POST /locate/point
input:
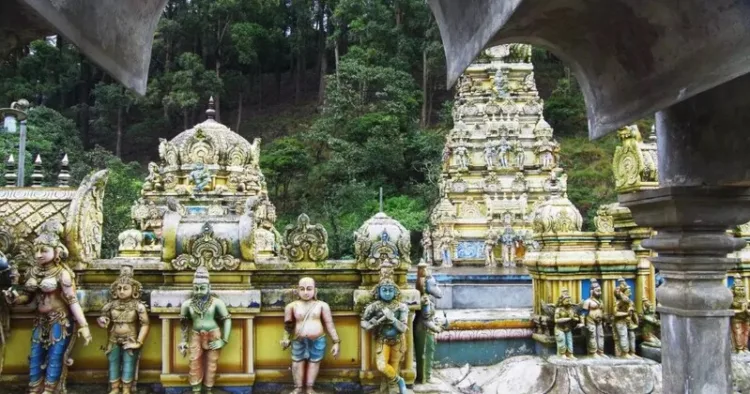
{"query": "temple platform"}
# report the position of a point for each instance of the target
(482, 287)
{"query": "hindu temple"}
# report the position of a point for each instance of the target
(510, 294)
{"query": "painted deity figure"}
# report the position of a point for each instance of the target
(446, 158)
(200, 176)
(51, 283)
(593, 319)
(426, 324)
(388, 318)
(427, 245)
(462, 157)
(153, 180)
(651, 326)
(489, 247)
(489, 155)
(566, 319)
(740, 321)
(520, 154)
(304, 322)
(625, 321)
(126, 318)
(446, 240)
(508, 241)
(206, 325)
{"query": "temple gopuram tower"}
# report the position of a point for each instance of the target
(496, 161)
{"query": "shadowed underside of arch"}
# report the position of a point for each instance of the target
(631, 57)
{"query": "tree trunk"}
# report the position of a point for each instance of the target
(217, 97)
(425, 80)
(322, 58)
(336, 59)
(239, 113)
(83, 99)
(429, 108)
(260, 87)
(118, 146)
(298, 80)
(185, 118)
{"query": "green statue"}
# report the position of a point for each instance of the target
(425, 323)
(650, 325)
(388, 318)
(201, 315)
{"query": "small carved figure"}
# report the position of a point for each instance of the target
(201, 316)
(303, 330)
(508, 241)
(446, 242)
(566, 319)
(51, 283)
(593, 319)
(462, 156)
(388, 317)
(153, 180)
(447, 151)
(489, 247)
(625, 321)
(489, 155)
(503, 151)
(426, 324)
(740, 321)
(651, 326)
(427, 245)
(122, 316)
(520, 154)
(201, 177)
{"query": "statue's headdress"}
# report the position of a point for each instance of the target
(594, 284)
(201, 276)
(49, 235)
(126, 277)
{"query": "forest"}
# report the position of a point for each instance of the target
(348, 96)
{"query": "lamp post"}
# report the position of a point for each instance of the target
(17, 112)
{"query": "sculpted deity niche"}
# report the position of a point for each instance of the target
(388, 318)
(740, 321)
(266, 240)
(508, 242)
(200, 177)
(462, 157)
(445, 246)
(304, 322)
(126, 319)
(427, 245)
(489, 154)
(489, 247)
(206, 325)
(59, 316)
(426, 324)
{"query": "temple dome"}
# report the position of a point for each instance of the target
(557, 214)
(380, 222)
(210, 143)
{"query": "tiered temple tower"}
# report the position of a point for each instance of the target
(496, 163)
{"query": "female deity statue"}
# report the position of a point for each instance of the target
(50, 282)
(741, 319)
(126, 318)
(425, 323)
(388, 317)
(446, 240)
(566, 319)
(489, 247)
(304, 320)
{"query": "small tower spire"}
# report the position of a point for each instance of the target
(64, 177)
(37, 176)
(211, 111)
(10, 172)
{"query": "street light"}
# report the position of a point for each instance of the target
(17, 113)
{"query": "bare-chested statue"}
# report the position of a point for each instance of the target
(303, 325)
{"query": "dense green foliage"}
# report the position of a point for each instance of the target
(347, 95)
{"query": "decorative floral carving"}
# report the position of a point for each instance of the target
(305, 242)
(206, 250)
(634, 162)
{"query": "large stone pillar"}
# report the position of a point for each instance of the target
(704, 162)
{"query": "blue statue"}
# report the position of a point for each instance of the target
(201, 177)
